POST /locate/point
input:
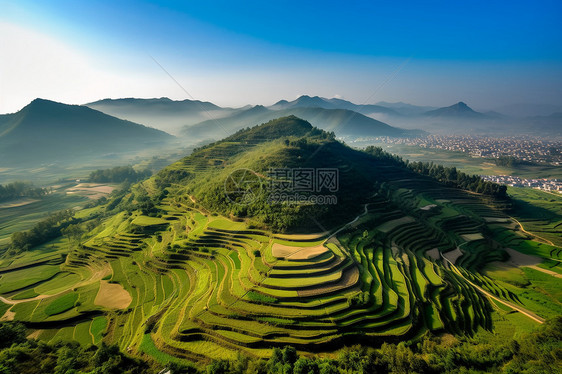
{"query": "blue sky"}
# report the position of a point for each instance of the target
(488, 54)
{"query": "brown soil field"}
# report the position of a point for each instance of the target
(112, 296)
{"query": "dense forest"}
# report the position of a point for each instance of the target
(118, 174)
(20, 189)
(536, 352)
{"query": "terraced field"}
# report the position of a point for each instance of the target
(199, 286)
(182, 282)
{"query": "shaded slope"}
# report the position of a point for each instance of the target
(49, 131)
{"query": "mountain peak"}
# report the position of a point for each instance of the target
(40, 101)
(307, 98)
(459, 109)
(45, 107)
(48, 130)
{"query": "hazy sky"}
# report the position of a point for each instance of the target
(486, 53)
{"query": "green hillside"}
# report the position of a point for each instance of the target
(178, 268)
(47, 131)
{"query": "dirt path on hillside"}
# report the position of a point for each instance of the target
(546, 271)
(533, 235)
(518, 259)
(365, 211)
(453, 255)
(521, 310)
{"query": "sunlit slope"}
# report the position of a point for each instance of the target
(171, 271)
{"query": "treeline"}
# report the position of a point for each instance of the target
(452, 177)
(118, 174)
(43, 231)
(20, 189)
(449, 176)
(536, 352)
(509, 161)
(23, 356)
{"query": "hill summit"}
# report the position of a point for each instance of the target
(460, 110)
(287, 143)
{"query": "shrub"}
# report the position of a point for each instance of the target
(261, 298)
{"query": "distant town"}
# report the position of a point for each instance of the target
(519, 148)
(540, 184)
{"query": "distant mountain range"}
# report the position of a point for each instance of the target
(199, 120)
(344, 122)
(405, 108)
(47, 131)
(163, 113)
(320, 102)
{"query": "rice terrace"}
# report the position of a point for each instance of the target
(296, 187)
(163, 275)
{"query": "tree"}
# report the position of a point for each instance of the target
(11, 333)
(305, 366)
(290, 355)
(73, 233)
(219, 367)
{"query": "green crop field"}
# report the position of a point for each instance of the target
(61, 304)
(165, 276)
(226, 296)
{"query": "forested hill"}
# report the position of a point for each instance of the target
(290, 142)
